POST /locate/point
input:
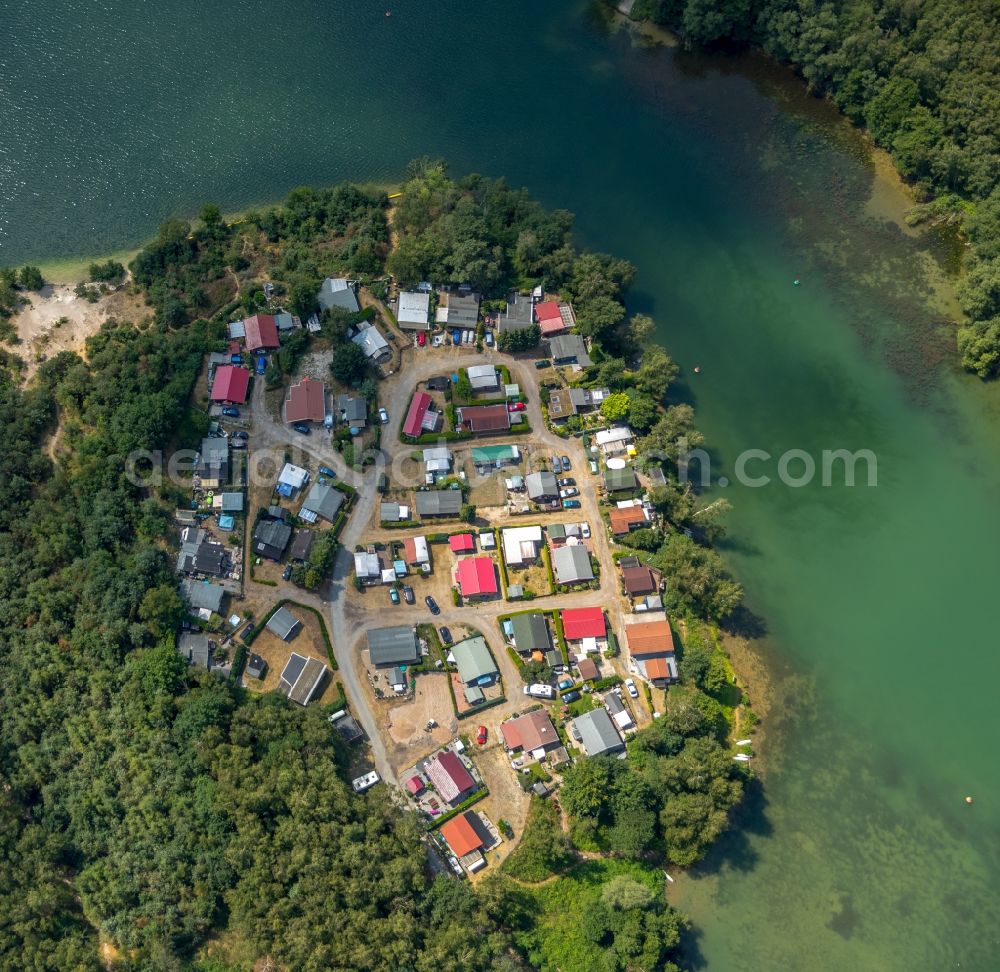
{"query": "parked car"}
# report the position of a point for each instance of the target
(245, 633)
(567, 482)
(540, 690)
(488, 338)
(240, 435)
(516, 406)
(446, 637)
(573, 696)
(328, 472)
(556, 464)
(301, 428)
(286, 573)
(261, 365)
(566, 465)
(544, 363)
(567, 493)
(433, 607)
(481, 735)
(394, 595)
(632, 690)
(571, 504)
(593, 466)
(564, 684)
(421, 338)
(585, 531)
(383, 416)
(239, 444)
(230, 412)
(408, 594)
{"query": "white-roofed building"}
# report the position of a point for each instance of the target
(483, 377)
(294, 476)
(437, 460)
(614, 442)
(413, 311)
(367, 567)
(521, 544)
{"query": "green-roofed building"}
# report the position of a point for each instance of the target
(475, 663)
(618, 480)
(557, 531)
(497, 455)
(530, 633)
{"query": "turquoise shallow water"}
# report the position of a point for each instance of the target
(722, 182)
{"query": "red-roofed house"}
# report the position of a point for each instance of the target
(462, 543)
(463, 839)
(530, 732)
(477, 577)
(419, 404)
(485, 419)
(415, 785)
(580, 623)
(230, 384)
(554, 318)
(452, 781)
(261, 332)
(306, 401)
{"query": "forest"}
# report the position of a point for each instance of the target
(924, 79)
(162, 819)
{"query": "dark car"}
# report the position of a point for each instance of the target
(432, 605)
(245, 633)
(328, 472)
(446, 637)
(231, 412)
(301, 427)
(408, 594)
(573, 696)
(240, 435)
(261, 365)
(286, 573)
(544, 363)
(571, 504)
(566, 467)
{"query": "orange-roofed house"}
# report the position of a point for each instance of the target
(261, 332)
(464, 840)
(651, 645)
(306, 401)
(230, 385)
(625, 519)
(477, 577)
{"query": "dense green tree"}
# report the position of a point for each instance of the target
(349, 364)
(30, 278)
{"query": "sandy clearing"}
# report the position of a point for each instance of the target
(57, 320)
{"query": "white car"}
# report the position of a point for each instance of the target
(540, 690)
(365, 782)
(383, 416)
(567, 493)
(585, 531)
(632, 690)
(437, 341)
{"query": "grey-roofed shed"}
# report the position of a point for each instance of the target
(203, 595)
(541, 485)
(571, 565)
(195, 648)
(530, 633)
(439, 502)
(338, 292)
(283, 623)
(393, 646)
(324, 501)
(598, 734)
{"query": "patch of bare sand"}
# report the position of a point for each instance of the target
(57, 320)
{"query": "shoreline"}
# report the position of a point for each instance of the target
(70, 270)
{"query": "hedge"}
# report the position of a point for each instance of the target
(461, 808)
(606, 683)
(479, 708)
(517, 660)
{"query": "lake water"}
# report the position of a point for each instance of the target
(722, 182)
